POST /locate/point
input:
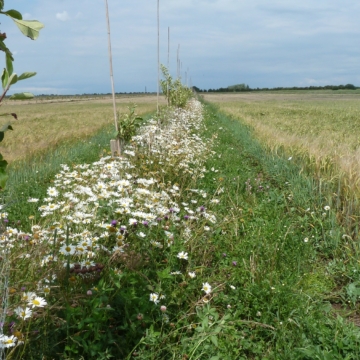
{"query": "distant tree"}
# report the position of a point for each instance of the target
(350, 87)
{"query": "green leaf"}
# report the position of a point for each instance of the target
(26, 75)
(22, 96)
(13, 14)
(13, 79)
(164, 274)
(4, 48)
(3, 178)
(9, 64)
(4, 78)
(214, 340)
(5, 127)
(2, 135)
(29, 28)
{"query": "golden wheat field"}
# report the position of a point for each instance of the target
(319, 130)
(46, 122)
(322, 128)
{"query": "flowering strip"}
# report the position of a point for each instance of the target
(119, 213)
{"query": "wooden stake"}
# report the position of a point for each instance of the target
(168, 64)
(115, 146)
(158, 55)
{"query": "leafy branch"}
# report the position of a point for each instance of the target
(31, 29)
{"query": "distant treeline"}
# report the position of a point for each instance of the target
(103, 94)
(244, 87)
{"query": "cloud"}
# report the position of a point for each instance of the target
(64, 16)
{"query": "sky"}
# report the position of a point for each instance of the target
(262, 43)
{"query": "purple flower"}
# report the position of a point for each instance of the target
(234, 263)
(186, 217)
(113, 223)
(224, 255)
(145, 223)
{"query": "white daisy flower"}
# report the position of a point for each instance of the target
(207, 288)
(37, 302)
(182, 255)
(23, 313)
(154, 298)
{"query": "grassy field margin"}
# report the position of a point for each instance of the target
(273, 265)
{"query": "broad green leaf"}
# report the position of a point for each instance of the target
(4, 48)
(9, 64)
(164, 274)
(26, 75)
(4, 78)
(13, 14)
(13, 78)
(29, 28)
(6, 126)
(22, 96)
(3, 178)
(214, 340)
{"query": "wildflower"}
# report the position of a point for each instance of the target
(163, 308)
(234, 263)
(33, 200)
(46, 290)
(67, 249)
(207, 288)
(206, 228)
(192, 274)
(51, 191)
(23, 313)
(233, 287)
(327, 208)
(306, 239)
(182, 255)
(175, 273)
(28, 296)
(154, 298)
(7, 341)
(37, 302)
